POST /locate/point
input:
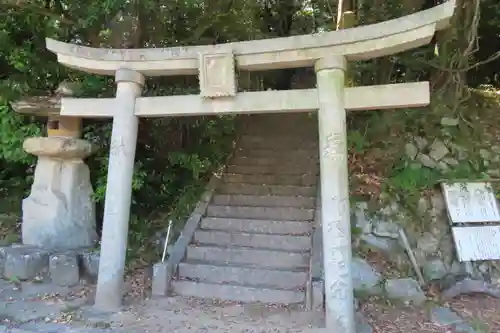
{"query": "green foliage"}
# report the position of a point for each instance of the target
(13, 130)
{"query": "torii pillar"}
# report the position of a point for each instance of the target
(118, 191)
(336, 223)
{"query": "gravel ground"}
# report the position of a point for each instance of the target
(37, 308)
(187, 315)
(480, 312)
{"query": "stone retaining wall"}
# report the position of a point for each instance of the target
(431, 242)
(63, 268)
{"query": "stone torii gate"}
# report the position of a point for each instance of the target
(328, 52)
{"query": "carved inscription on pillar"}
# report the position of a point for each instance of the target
(335, 146)
(336, 225)
(217, 75)
(339, 288)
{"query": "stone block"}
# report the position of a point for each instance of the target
(447, 121)
(317, 254)
(387, 246)
(25, 263)
(64, 270)
(362, 325)
(3, 250)
(405, 290)
(160, 279)
(411, 150)
(426, 161)
(318, 295)
(434, 269)
(90, 264)
(438, 150)
(445, 316)
(364, 277)
(387, 229)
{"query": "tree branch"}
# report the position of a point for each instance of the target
(20, 5)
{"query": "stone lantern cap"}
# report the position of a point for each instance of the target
(42, 106)
(47, 106)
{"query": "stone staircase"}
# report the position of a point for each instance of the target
(254, 242)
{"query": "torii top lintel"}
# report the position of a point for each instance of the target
(360, 43)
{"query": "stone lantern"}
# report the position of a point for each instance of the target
(59, 213)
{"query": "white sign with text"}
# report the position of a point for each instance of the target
(471, 202)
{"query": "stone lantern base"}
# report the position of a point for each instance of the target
(60, 212)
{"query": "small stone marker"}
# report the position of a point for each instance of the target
(160, 279)
(473, 203)
(64, 270)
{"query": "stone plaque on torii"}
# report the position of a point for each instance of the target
(328, 52)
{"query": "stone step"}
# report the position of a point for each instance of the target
(243, 275)
(277, 160)
(281, 142)
(274, 169)
(257, 226)
(281, 153)
(272, 179)
(248, 256)
(251, 189)
(277, 145)
(261, 213)
(253, 240)
(302, 126)
(289, 119)
(283, 117)
(278, 131)
(237, 293)
(263, 201)
(279, 124)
